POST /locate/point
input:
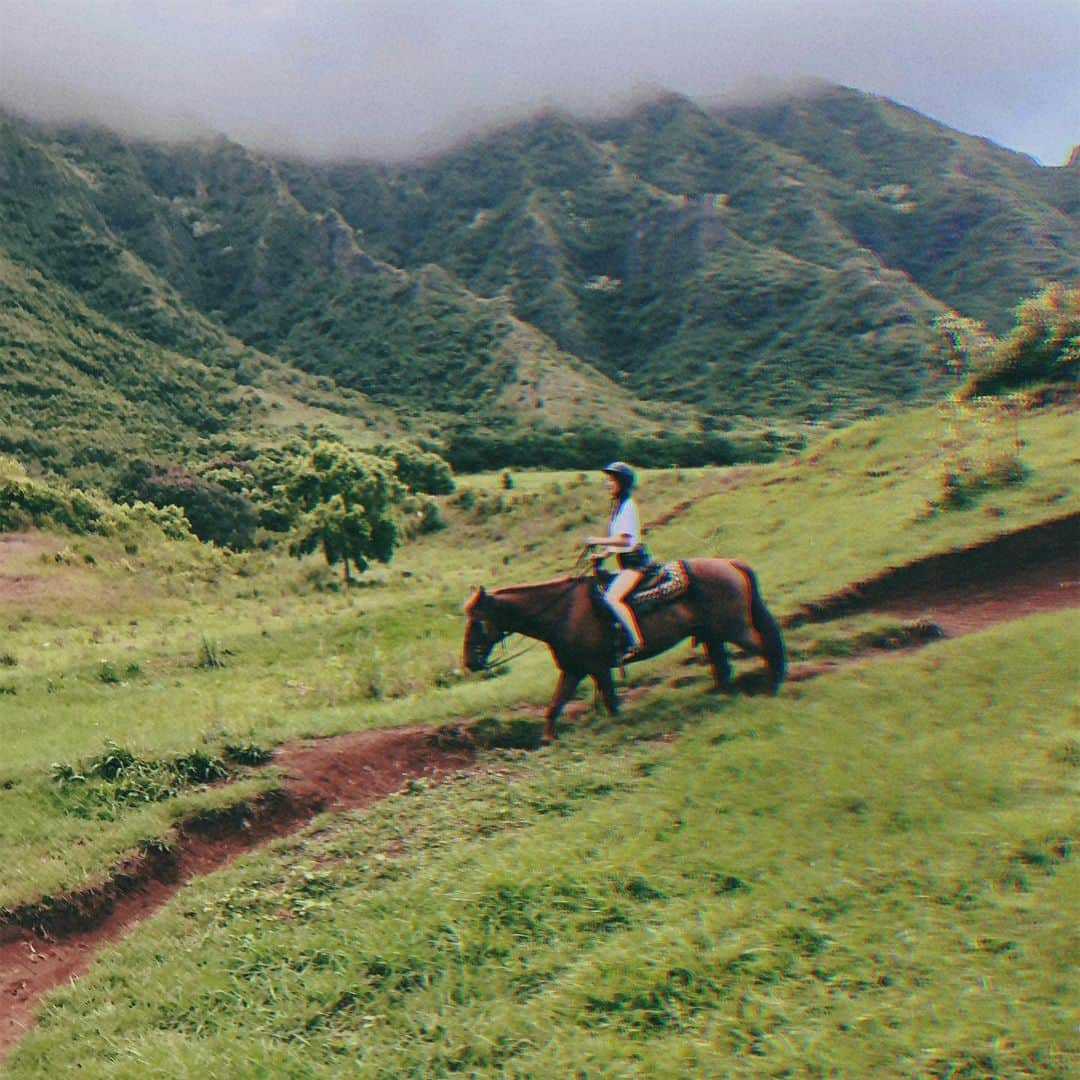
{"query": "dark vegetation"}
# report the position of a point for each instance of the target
(470, 450)
(223, 517)
(1043, 347)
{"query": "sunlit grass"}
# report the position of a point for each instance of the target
(868, 875)
(298, 656)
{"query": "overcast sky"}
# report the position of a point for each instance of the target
(399, 78)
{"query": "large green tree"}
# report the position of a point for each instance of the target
(346, 501)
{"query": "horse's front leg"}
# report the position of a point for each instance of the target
(606, 685)
(564, 691)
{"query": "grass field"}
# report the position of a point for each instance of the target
(870, 875)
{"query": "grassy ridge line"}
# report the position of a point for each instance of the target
(861, 501)
(831, 881)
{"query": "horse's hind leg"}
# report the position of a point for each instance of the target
(717, 653)
(564, 691)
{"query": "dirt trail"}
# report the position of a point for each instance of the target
(45, 945)
(1034, 569)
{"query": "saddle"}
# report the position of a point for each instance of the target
(660, 584)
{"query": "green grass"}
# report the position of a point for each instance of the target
(832, 882)
(297, 656)
(861, 501)
(868, 875)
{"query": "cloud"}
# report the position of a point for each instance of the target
(397, 78)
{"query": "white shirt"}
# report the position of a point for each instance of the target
(625, 520)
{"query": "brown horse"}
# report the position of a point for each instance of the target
(722, 604)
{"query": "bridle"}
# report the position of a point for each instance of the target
(495, 635)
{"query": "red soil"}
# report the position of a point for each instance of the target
(46, 945)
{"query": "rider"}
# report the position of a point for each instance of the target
(623, 540)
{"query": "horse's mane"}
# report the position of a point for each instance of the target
(533, 586)
(508, 591)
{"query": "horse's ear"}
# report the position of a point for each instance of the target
(477, 597)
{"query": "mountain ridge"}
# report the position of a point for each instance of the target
(675, 265)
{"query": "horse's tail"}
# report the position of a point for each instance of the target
(772, 640)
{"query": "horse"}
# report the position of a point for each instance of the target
(722, 604)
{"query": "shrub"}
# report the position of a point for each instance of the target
(424, 517)
(1043, 346)
(420, 470)
(217, 515)
(26, 503)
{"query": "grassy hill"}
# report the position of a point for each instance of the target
(206, 251)
(975, 225)
(831, 878)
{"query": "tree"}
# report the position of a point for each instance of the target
(347, 507)
(223, 517)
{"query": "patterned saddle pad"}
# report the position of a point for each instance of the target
(665, 583)
(662, 583)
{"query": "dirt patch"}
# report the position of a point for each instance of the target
(17, 551)
(45, 945)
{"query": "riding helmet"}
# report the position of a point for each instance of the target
(622, 471)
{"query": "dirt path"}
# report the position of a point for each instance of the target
(46, 945)
(1017, 574)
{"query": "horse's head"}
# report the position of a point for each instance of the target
(482, 631)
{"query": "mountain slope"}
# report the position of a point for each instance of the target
(977, 226)
(781, 263)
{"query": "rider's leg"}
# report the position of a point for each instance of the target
(621, 586)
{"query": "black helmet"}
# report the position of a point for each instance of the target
(622, 472)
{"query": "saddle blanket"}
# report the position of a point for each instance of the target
(666, 583)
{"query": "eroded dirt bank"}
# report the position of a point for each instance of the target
(45, 945)
(1035, 569)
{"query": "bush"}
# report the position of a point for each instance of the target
(1044, 345)
(217, 515)
(420, 471)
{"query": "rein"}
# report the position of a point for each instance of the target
(504, 634)
(494, 665)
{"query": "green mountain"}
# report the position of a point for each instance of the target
(678, 264)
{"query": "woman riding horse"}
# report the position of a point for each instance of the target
(623, 540)
(722, 604)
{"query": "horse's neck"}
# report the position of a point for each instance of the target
(534, 610)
